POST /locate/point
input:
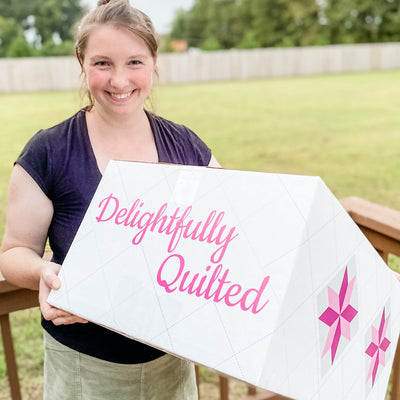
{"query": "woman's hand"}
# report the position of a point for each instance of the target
(49, 280)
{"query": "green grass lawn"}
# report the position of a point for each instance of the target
(344, 128)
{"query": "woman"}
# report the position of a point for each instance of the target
(51, 186)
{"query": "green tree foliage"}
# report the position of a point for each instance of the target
(65, 48)
(19, 47)
(197, 20)
(52, 21)
(267, 21)
(301, 22)
(48, 19)
(18, 10)
(262, 23)
(249, 41)
(9, 29)
(211, 44)
(362, 21)
(180, 25)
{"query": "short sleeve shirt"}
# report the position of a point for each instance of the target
(61, 161)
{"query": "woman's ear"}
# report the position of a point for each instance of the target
(80, 59)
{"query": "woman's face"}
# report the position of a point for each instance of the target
(119, 69)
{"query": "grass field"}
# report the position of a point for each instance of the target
(344, 128)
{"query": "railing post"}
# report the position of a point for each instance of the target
(197, 372)
(10, 357)
(223, 388)
(251, 390)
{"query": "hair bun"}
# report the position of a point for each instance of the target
(104, 2)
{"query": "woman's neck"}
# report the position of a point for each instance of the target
(129, 139)
(118, 126)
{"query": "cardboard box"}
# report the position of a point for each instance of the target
(262, 277)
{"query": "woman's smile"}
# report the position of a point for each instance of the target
(121, 96)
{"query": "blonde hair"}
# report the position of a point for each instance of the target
(120, 14)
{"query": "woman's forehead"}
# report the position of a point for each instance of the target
(108, 38)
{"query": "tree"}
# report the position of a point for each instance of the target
(18, 10)
(57, 17)
(211, 44)
(71, 11)
(389, 27)
(374, 16)
(65, 48)
(301, 22)
(268, 26)
(222, 21)
(180, 25)
(197, 21)
(19, 47)
(50, 19)
(231, 28)
(249, 41)
(246, 23)
(9, 29)
(362, 21)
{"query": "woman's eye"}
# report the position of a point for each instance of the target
(101, 63)
(135, 62)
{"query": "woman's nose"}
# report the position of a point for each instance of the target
(119, 78)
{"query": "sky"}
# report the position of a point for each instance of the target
(161, 12)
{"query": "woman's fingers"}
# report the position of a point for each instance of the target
(49, 280)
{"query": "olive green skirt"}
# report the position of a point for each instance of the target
(70, 375)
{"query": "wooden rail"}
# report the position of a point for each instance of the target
(380, 225)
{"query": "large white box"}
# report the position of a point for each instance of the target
(262, 277)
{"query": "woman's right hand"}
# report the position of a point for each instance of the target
(49, 280)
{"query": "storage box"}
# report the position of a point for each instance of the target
(262, 277)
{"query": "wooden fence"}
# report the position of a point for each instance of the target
(379, 224)
(62, 73)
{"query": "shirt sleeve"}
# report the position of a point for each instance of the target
(178, 144)
(36, 161)
(201, 152)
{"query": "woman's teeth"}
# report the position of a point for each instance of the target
(121, 96)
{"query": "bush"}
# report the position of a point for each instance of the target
(211, 44)
(249, 41)
(50, 48)
(19, 47)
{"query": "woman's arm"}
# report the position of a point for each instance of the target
(29, 214)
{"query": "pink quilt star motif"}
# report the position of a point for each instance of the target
(338, 315)
(377, 348)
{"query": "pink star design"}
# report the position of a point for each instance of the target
(377, 348)
(338, 315)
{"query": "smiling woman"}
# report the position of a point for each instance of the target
(119, 78)
(51, 186)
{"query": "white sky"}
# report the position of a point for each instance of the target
(161, 12)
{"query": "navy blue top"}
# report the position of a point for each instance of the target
(61, 161)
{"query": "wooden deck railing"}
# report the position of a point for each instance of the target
(379, 224)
